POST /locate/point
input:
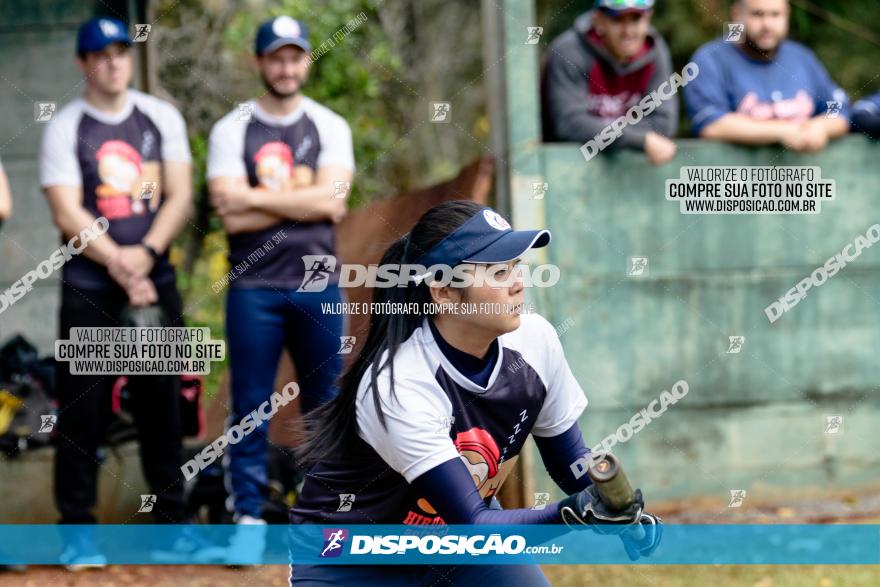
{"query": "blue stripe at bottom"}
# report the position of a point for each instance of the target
(225, 544)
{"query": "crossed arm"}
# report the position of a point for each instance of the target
(809, 136)
(243, 208)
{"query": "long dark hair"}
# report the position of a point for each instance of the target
(331, 427)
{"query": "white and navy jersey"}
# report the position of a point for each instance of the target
(437, 414)
(280, 154)
(116, 158)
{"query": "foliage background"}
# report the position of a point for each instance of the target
(382, 77)
(845, 35)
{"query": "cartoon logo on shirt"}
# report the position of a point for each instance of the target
(610, 106)
(276, 170)
(481, 455)
(122, 172)
(797, 109)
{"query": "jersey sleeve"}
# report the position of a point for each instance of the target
(450, 489)
(169, 121)
(415, 440)
(827, 92)
(705, 96)
(565, 400)
(336, 144)
(58, 162)
(866, 115)
(175, 142)
(226, 149)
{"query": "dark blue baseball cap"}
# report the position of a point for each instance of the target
(485, 238)
(97, 33)
(280, 31)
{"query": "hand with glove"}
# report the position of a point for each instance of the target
(640, 532)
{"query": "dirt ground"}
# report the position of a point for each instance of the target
(559, 576)
(845, 508)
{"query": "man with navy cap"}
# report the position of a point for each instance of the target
(279, 171)
(98, 153)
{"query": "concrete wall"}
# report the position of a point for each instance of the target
(37, 43)
(753, 420)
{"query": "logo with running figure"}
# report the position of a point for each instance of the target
(346, 500)
(141, 33)
(47, 423)
(735, 344)
(534, 34)
(346, 345)
(734, 32)
(319, 268)
(333, 541)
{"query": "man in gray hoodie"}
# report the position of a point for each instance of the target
(601, 67)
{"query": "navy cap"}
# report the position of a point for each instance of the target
(281, 31)
(485, 238)
(97, 33)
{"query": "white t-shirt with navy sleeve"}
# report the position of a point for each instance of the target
(437, 414)
(116, 158)
(280, 153)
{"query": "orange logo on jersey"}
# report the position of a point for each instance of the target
(276, 170)
(122, 173)
(480, 454)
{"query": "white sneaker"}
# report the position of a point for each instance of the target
(75, 560)
(247, 545)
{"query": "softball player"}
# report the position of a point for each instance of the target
(433, 414)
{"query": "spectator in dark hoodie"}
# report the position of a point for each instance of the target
(601, 67)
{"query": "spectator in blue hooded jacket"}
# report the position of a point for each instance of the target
(755, 87)
(866, 116)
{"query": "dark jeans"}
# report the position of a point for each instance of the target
(260, 322)
(418, 576)
(85, 410)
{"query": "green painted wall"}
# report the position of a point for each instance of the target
(753, 420)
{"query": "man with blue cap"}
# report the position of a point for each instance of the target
(98, 154)
(279, 171)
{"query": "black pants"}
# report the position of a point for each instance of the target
(85, 410)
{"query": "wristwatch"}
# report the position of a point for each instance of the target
(153, 252)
